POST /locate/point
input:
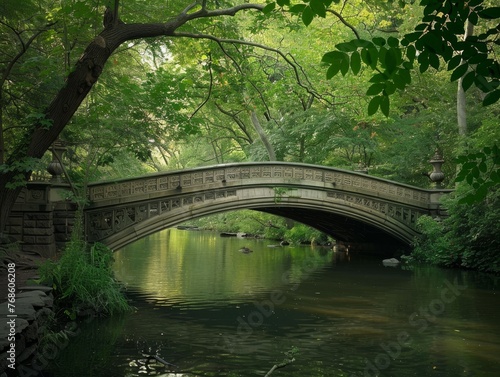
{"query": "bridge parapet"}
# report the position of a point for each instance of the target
(273, 174)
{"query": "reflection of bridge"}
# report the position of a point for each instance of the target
(351, 207)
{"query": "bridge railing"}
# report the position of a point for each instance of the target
(259, 173)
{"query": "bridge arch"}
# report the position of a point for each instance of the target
(347, 205)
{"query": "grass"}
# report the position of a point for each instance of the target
(83, 281)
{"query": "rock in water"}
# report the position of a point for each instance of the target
(390, 262)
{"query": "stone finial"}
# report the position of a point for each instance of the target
(55, 167)
(436, 176)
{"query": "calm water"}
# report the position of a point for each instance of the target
(212, 310)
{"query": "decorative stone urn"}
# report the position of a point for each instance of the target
(55, 168)
(437, 176)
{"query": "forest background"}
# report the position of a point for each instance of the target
(358, 85)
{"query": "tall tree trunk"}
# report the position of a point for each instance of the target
(461, 100)
(262, 134)
(78, 84)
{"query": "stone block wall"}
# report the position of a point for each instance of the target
(40, 225)
(63, 222)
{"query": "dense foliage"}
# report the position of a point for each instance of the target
(468, 238)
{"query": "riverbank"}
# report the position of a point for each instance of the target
(28, 309)
(26, 267)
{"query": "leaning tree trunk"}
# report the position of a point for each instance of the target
(80, 81)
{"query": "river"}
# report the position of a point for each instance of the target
(209, 309)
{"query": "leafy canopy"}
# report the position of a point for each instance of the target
(436, 40)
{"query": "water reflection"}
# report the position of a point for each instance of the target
(214, 311)
(200, 268)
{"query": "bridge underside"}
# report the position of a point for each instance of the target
(363, 224)
(358, 234)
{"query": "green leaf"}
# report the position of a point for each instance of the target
(363, 43)
(473, 3)
(379, 77)
(355, 62)
(299, 8)
(473, 18)
(282, 3)
(468, 80)
(375, 89)
(393, 42)
(333, 69)
(346, 47)
(490, 13)
(411, 53)
(495, 176)
(307, 16)
(390, 88)
(434, 61)
(373, 54)
(373, 105)
(269, 8)
(379, 41)
(461, 176)
(469, 179)
(477, 58)
(491, 97)
(333, 56)
(384, 105)
(459, 71)
(344, 65)
(318, 7)
(433, 41)
(475, 171)
(405, 76)
(410, 37)
(389, 60)
(483, 84)
(423, 60)
(454, 62)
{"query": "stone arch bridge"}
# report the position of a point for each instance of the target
(352, 207)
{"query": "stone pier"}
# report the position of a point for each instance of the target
(41, 220)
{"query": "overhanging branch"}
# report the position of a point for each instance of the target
(289, 59)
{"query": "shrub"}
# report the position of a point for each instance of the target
(301, 233)
(469, 237)
(433, 245)
(83, 280)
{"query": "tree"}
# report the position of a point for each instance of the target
(434, 40)
(443, 35)
(45, 130)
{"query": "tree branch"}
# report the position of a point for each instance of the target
(209, 88)
(25, 46)
(343, 20)
(287, 57)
